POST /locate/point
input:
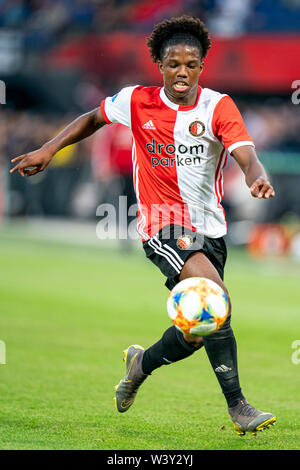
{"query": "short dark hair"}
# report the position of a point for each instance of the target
(181, 30)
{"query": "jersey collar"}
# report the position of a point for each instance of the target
(178, 107)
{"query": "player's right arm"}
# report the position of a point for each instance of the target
(85, 125)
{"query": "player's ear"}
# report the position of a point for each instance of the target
(160, 66)
(201, 66)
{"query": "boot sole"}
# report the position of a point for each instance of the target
(261, 427)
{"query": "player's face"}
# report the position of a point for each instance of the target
(181, 67)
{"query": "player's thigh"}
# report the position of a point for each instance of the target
(198, 265)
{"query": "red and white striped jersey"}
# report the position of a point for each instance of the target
(178, 155)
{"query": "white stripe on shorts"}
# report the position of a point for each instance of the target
(154, 243)
(175, 255)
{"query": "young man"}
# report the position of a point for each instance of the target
(182, 135)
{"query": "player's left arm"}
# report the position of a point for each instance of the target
(228, 126)
(255, 173)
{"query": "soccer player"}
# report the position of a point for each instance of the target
(182, 136)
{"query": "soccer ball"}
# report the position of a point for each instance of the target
(197, 306)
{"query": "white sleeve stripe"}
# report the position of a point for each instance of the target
(240, 144)
(110, 118)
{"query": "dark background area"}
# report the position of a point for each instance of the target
(61, 58)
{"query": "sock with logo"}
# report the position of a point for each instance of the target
(222, 353)
(172, 347)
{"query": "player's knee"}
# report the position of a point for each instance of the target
(222, 285)
(228, 298)
(196, 341)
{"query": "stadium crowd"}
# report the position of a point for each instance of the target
(45, 25)
(45, 22)
(274, 127)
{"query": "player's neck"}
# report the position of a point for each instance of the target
(188, 100)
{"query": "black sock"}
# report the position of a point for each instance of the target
(172, 347)
(222, 353)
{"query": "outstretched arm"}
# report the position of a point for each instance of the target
(255, 174)
(85, 125)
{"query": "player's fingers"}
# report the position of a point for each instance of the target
(269, 193)
(20, 168)
(17, 159)
(256, 186)
(22, 164)
(264, 189)
(31, 172)
(14, 169)
(254, 190)
(21, 171)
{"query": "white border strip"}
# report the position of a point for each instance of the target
(232, 147)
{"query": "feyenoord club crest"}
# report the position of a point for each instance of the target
(185, 242)
(196, 128)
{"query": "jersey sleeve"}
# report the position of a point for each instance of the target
(228, 125)
(117, 108)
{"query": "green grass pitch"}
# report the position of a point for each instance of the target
(68, 312)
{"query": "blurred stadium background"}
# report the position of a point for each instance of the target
(60, 58)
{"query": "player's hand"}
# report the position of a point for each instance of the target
(31, 163)
(262, 189)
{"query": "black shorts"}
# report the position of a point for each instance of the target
(170, 248)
